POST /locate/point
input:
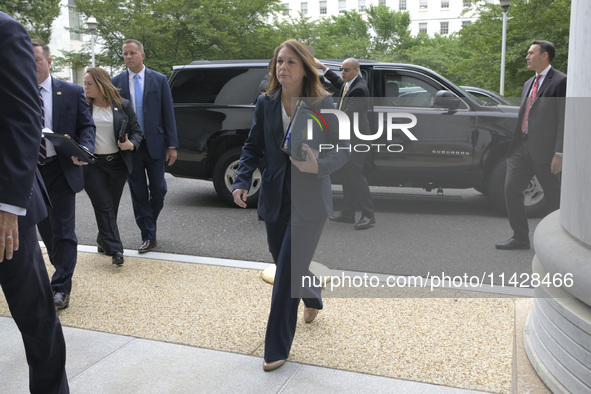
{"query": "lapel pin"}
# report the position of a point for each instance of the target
(59, 93)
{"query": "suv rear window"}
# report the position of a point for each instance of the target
(224, 86)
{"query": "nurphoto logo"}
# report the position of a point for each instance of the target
(393, 123)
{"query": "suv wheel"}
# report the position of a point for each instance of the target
(534, 194)
(224, 174)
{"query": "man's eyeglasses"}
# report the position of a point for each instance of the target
(346, 69)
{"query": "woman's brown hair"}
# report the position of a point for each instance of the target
(312, 87)
(102, 79)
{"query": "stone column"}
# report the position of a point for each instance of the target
(557, 335)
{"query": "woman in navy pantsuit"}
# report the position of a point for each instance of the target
(295, 196)
(118, 135)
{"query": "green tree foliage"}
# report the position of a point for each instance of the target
(344, 36)
(337, 37)
(349, 35)
(391, 31)
(302, 28)
(438, 53)
(35, 15)
(179, 31)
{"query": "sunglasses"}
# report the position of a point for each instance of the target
(346, 69)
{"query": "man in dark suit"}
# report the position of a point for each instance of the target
(65, 111)
(155, 115)
(23, 275)
(536, 148)
(354, 98)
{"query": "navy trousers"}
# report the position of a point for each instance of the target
(520, 170)
(104, 182)
(58, 230)
(148, 188)
(27, 290)
(292, 243)
(356, 193)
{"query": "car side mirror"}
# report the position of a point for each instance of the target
(446, 99)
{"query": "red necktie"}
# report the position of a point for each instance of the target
(530, 101)
(42, 148)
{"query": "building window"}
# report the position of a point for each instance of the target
(285, 8)
(74, 20)
(382, 2)
(444, 28)
(304, 8)
(402, 4)
(423, 4)
(361, 5)
(466, 23)
(422, 28)
(467, 4)
(342, 6)
(445, 4)
(323, 9)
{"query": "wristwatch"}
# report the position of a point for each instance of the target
(559, 154)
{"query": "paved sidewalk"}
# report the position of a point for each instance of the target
(108, 363)
(117, 351)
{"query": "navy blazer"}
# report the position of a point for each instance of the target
(71, 115)
(546, 117)
(20, 124)
(282, 183)
(132, 129)
(159, 121)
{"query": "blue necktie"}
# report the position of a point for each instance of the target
(139, 101)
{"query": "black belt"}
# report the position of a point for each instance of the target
(48, 160)
(109, 157)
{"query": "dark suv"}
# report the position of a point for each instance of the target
(460, 142)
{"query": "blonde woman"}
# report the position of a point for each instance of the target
(118, 135)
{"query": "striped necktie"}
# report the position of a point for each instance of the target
(42, 147)
(530, 101)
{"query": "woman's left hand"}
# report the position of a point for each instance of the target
(310, 165)
(125, 145)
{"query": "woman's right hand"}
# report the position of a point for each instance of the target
(240, 197)
(126, 144)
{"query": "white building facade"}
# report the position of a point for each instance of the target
(64, 40)
(427, 16)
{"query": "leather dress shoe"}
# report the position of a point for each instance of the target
(365, 222)
(148, 245)
(269, 366)
(118, 259)
(310, 314)
(61, 300)
(102, 250)
(340, 218)
(513, 244)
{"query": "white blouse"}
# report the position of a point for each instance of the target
(286, 119)
(105, 143)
